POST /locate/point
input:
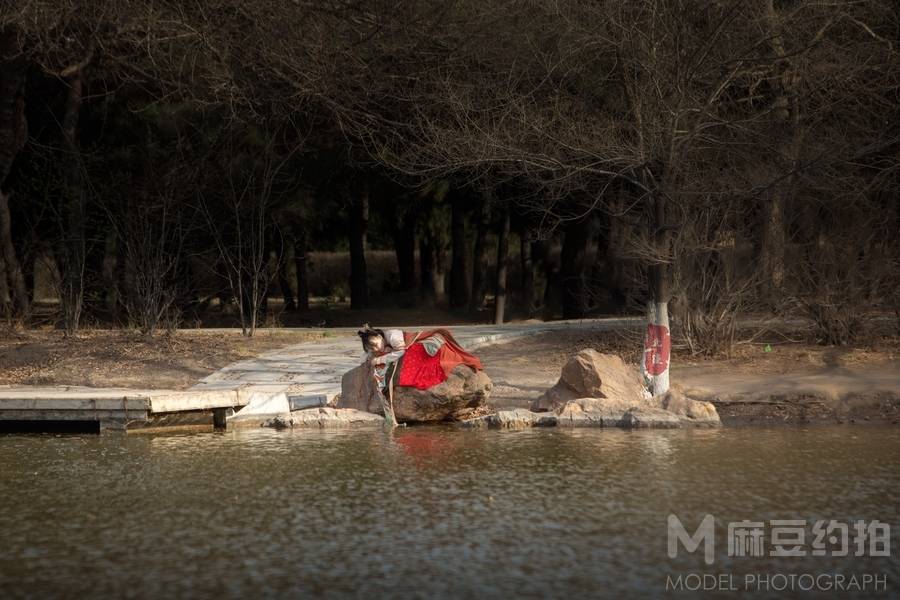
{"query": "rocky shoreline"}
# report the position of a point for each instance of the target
(774, 414)
(593, 390)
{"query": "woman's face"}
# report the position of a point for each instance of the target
(376, 343)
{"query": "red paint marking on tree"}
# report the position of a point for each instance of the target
(658, 345)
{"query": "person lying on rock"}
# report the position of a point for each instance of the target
(414, 359)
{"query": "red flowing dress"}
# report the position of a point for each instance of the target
(421, 371)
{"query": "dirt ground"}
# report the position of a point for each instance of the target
(768, 383)
(126, 359)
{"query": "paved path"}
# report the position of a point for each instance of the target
(313, 369)
(274, 382)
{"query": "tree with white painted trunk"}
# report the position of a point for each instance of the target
(657, 337)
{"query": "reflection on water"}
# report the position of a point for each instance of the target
(418, 512)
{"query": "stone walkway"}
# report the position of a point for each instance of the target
(311, 371)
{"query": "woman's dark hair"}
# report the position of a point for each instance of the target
(367, 333)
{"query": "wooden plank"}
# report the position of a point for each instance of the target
(81, 393)
(49, 403)
(201, 419)
(72, 415)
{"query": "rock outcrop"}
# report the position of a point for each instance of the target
(462, 396)
(358, 391)
(606, 412)
(591, 374)
(600, 390)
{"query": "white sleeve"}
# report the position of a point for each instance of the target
(394, 339)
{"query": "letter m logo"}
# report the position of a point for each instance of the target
(705, 533)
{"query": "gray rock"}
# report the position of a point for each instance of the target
(358, 391)
(519, 418)
(591, 374)
(594, 412)
(646, 417)
(324, 418)
(278, 422)
(690, 411)
(462, 396)
(610, 412)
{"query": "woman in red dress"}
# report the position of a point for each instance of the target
(425, 358)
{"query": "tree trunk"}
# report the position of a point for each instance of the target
(657, 340)
(124, 275)
(284, 279)
(110, 289)
(773, 247)
(302, 264)
(405, 248)
(359, 223)
(479, 278)
(616, 240)
(543, 253)
(600, 277)
(439, 271)
(13, 134)
(527, 273)
(426, 269)
(572, 261)
(432, 251)
(459, 276)
(72, 246)
(786, 130)
(5, 299)
(502, 264)
(14, 275)
(13, 126)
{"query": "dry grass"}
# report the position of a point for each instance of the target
(127, 359)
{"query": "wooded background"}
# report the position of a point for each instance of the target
(162, 160)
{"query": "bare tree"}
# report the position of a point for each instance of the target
(242, 226)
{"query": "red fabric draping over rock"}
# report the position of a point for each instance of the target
(421, 371)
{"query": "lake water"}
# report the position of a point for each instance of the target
(427, 512)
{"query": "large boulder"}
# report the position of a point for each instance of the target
(591, 374)
(462, 396)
